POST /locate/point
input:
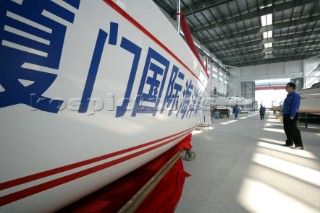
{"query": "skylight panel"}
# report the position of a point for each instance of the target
(263, 20)
(266, 19)
(267, 45)
(267, 34)
(269, 19)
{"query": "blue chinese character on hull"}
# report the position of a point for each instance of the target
(187, 98)
(135, 50)
(171, 99)
(32, 37)
(151, 84)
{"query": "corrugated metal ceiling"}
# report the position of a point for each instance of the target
(233, 31)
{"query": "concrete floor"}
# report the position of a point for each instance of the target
(240, 167)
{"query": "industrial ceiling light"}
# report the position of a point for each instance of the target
(263, 6)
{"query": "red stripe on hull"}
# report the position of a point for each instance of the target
(26, 179)
(59, 181)
(270, 88)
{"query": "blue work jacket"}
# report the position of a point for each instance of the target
(291, 104)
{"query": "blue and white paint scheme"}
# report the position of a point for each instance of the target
(89, 91)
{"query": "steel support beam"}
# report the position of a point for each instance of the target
(235, 61)
(260, 30)
(255, 14)
(243, 47)
(271, 60)
(199, 7)
(275, 52)
(164, 6)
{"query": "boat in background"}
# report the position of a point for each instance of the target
(246, 101)
(310, 101)
(230, 101)
(89, 91)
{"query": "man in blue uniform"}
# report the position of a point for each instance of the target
(290, 116)
(262, 112)
(236, 111)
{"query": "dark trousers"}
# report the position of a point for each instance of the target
(262, 116)
(292, 131)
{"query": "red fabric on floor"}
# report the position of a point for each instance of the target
(163, 198)
(166, 195)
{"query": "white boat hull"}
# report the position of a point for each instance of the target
(310, 101)
(107, 110)
(230, 101)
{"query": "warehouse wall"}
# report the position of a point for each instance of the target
(311, 72)
(292, 69)
(219, 81)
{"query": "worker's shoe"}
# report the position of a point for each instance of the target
(288, 145)
(297, 147)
